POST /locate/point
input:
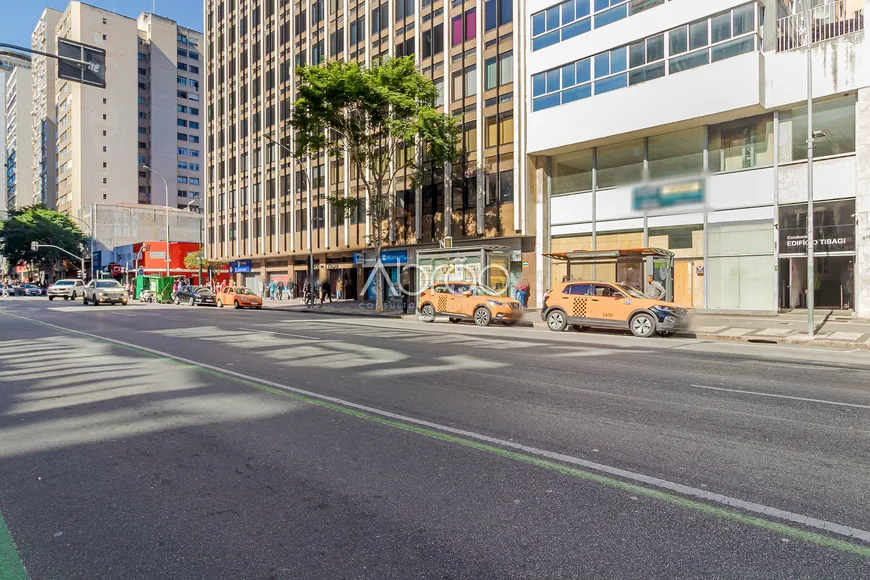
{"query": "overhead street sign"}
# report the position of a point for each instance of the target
(91, 68)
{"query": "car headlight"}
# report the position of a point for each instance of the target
(496, 303)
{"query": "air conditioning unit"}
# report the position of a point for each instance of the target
(448, 241)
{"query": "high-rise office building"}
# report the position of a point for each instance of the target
(106, 137)
(705, 103)
(44, 121)
(17, 119)
(8, 63)
(257, 205)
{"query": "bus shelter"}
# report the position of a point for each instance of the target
(626, 266)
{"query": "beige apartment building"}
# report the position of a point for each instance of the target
(44, 119)
(257, 210)
(19, 180)
(144, 116)
(8, 63)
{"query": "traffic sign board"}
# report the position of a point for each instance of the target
(91, 71)
(140, 271)
(34, 246)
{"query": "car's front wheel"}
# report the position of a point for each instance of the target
(192, 301)
(427, 313)
(50, 298)
(482, 317)
(643, 325)
(557, 320)
(236, 305)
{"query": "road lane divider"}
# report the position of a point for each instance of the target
(777, 396)
(11, 566)
(700, 500)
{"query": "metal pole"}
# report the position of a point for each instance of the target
(201, 227)
(166, 189)
(811, 270)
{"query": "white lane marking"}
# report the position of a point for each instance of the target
(679, 488)
(282, 333)
(742, 392)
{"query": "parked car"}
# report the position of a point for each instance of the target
(239, 297)
(70, 288)
(462, 301)
(195, 296)
(104, 292)
(28, 290)
(606, 305)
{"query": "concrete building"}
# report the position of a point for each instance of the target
(44, 120)
(7, 65)
(18, 152)
(256, 202)
(713, 94)
(106, 136)
(170, 117)
(129, 223)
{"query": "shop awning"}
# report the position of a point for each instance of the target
(593, 255)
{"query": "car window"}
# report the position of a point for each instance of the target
(91, 284)
(605, 291)
(244, 291)
(441, 289)
(460, 288)
(108, 284)
(63, 283)
(579, 289)
(631, 291)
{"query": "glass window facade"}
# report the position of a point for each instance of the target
(676, 154)
(688, 46)
(835, 118)
(571, 172)
(619, 164)
(741, 144)
(575, 17)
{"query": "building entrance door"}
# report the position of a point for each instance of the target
(834, 282)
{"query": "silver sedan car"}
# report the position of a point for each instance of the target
(104, 292)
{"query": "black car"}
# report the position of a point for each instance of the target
(195, 296)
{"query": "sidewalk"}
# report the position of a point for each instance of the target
(833, 329)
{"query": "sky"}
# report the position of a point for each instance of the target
(18, 18)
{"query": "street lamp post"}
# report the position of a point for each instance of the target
(308, 201)
(166, 188)
(811, 267)
(91, 232)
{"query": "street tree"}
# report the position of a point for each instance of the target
(383, 121)
(37, 223)
(194, 260)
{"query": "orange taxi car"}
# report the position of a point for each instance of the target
(239, 297)
(605, 305)
(462, 301)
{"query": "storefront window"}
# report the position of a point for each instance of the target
(736, 238)
(620, 164)
(682, 240)
(833, 227)
(572, 172)
(834, 118)
(740, 282)
(741, 144)
(676, 154)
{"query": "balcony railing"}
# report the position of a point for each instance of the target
(827, 21)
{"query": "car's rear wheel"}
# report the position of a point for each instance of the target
(236, 304)
(427, 313)
(643, 325)
(557, 320)
(482, 317)
(175, 300)
(220, 304)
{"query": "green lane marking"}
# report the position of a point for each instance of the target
(717, 511)
(11, 566)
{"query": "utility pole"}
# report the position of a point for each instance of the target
(166, 189)
(811, 266)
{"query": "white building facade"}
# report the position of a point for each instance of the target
(711, 94)
(18, 153)
(44, 119)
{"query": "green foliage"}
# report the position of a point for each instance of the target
(367, 116)
(194, 260)
(37, 223)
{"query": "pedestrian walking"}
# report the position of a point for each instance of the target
(6, 289)
(325, 291)
(273, 288)
(280, 289)
(406, 291)
(339, 288)
(522, 290)
(654, 289)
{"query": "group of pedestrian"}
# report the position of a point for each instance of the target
(275, 290)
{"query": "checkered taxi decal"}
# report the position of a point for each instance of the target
(579, 308)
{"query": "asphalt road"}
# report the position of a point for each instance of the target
(177, 442)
